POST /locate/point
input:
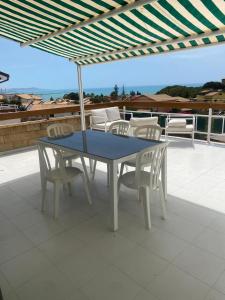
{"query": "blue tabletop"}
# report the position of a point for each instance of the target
(101, 144)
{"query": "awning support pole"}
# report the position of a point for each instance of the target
(81, 98)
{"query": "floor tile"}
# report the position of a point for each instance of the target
(61, 246)
(13, 246)
(218, 223)
(82, 265)
(112, 246)
(4, 284)
(211, 241)
(215, 295)
(141, 265)
(111, 284)
(177, 285)
(220, 284)
(178, 226)
(201, 264)
(42, 232)
(50, 285)
(145, 295)
(164, 244)
(23, 267)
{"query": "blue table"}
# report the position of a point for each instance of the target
(106, 147)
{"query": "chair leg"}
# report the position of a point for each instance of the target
(56, 199)
(146, 204)
(93, 170)
(70, 188)
(70, 164)
(193, 138)
(162, 201)
(108, 175)
(121, 169)
(44, 187)
(87, 189)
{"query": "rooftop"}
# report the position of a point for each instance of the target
(77, 257)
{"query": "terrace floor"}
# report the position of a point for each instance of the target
(78, 258)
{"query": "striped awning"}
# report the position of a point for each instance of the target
(89, 32)
(3, 77)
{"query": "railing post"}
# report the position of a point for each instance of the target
(124, 112)
(81, 98)
(209, 124)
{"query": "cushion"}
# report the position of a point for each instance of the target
(177, 123)
(102, 126)
(113, 113)
(99, 116)
(187, 128)
(135, 122)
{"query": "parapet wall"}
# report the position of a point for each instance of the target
(25, 134)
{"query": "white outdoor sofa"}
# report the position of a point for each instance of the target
(180, 126)
(102, 118)
(138, 122)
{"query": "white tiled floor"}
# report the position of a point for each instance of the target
(78, 258)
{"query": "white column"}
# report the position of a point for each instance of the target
(81, 98)
(209, 125)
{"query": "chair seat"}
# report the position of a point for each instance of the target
(103, 126)
(187, 128)
(128, 179)
(70, 172)
(68, 155)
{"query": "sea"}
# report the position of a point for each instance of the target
(46, 94)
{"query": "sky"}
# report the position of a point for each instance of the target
(29, 67)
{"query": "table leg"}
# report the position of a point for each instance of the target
(91, 165)
(85, 170)
(164, 175)
(113, 190)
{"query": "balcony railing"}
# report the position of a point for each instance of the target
(208, 125)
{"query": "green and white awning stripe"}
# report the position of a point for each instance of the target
(155, 27)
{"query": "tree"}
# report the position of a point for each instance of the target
(98, 98)
(51, 99)
(132, 93)
(123, 94)
(114, 94)
(215, 85)
(180, 91)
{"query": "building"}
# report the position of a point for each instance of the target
(158, 98)
(212, 96)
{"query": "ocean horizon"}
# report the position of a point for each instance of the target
(46, 94)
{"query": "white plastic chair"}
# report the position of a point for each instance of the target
(150, 132)
(58, 175)
(145, 182)
(62, 129)
(117, 127)
(179, 126)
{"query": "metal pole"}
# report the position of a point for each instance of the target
(81, 98)
(209, 124)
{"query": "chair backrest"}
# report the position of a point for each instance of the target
(150, 132)
(154, 157)
(47, 164)
(98, 116)
(136, 122)
(113, 113)
(59, 129)
(119, 127)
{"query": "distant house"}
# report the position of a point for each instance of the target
(2, 98)
(212, 96)
(158, 98)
